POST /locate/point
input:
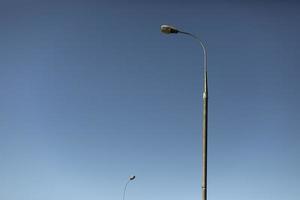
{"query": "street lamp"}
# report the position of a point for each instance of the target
(171, 30)
(131, 178)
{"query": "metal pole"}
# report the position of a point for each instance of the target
(130, 179)
(204, 118)
(204, 139)
(204, 126)
(124, 192)
(168, 30)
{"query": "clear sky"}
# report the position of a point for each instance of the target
(92, 92)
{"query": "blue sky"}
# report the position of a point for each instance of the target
(92, 92)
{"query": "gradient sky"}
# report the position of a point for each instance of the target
(92, 92)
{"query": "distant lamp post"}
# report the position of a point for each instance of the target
(131, 178)
(169, 30)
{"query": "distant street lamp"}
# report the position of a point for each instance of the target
(171, 30)
(131, 178)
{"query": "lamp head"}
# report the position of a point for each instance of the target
(131, 178)
(168, 29)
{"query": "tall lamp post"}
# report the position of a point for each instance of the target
(131, 178)
(171, 30)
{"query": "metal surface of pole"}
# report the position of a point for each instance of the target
(168, 30)
(204, 139)
(124, 192)
(204, 120)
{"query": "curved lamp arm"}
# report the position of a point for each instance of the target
(171, 30)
